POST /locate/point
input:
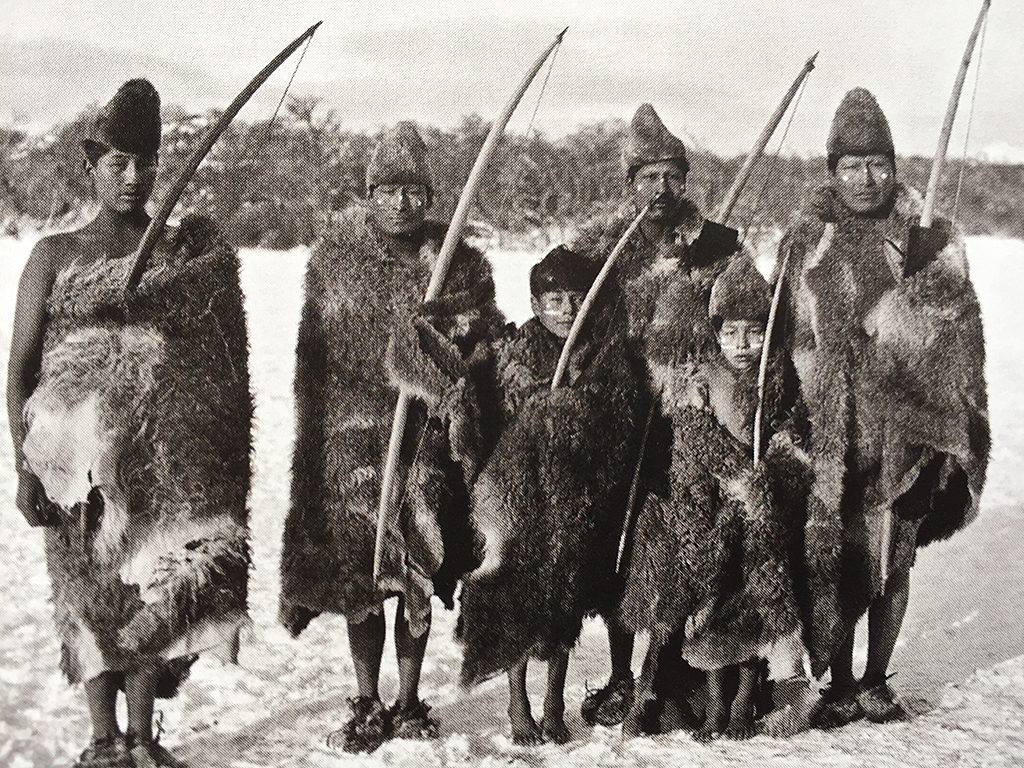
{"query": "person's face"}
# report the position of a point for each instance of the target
(399, 209)
(865, 182)
(124, 181)
(557, 309)
(663, 185)
(741, 342)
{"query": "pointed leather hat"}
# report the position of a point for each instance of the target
(649, 141)
(859, 128)
(740, 293)
(400, 158)
(130, 121)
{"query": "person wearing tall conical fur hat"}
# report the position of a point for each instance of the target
(130, 416)
(709, 573)
(665, 254)
(365, 332)
(884, 328)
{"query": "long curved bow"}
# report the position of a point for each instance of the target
(156, 224)
(927, 214)
(722, 216)
(388, 492)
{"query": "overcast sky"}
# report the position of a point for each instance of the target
(713, 69)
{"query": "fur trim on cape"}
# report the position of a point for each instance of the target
(362, 303)
(892, 372)
(140, 432)
(598, 237)
(548, 508)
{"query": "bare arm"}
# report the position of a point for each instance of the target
(26, 353)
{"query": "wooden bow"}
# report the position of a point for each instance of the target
(389, 496)
(156, 224)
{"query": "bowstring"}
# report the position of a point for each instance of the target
(970, 121)
(773, 164)
(529, 127)
(284, 94)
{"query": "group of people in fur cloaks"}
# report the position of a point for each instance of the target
(741, 508)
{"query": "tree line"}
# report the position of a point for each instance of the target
(278, 184)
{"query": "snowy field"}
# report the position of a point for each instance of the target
(959, 664)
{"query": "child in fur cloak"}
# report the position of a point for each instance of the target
(131, 425)
(669, 245)
(365, 332)
(548, 505)
(885, 331)
(712, 559)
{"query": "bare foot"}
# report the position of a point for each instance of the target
(794, 709)
(714, 723)
(740, 728)
(631, 727)
(553, 730)
(525, 732)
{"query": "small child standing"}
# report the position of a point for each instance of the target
(548, 505)
(528, 356)
(712, 560)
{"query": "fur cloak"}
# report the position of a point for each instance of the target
(598, 237)
(712, 557)
(548, 508)
(364, 331)
(665, 290)
(139, 430)
(891, 368)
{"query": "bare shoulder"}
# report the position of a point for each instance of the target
(52, 254)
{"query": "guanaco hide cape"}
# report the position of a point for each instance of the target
(364, 331)
(548, 508)
(140, 432)
(713, 557)
(891, 369)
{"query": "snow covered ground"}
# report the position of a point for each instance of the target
(960, 659)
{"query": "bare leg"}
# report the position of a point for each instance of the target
(608, 705)
(410, 717)
(410, 651)
(717, 713)
(885, 618)
(741, 712)
(632, 724)
(620, 647)
(553, 725)
(842, 667)
(101, 695)
(366, 640)
(524, 729)
(140, 694)
(839, 706)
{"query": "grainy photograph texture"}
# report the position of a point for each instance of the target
(511, 383)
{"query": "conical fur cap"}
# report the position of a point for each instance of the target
(563, 269)
(130, 121)
(649, 141)
(859, 128)
(740, 293)
(399, 158)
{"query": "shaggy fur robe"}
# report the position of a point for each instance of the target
(598, 237)
(712, 558)
(548, 508)
(892, 371)
(140, 432)
(364, 331)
